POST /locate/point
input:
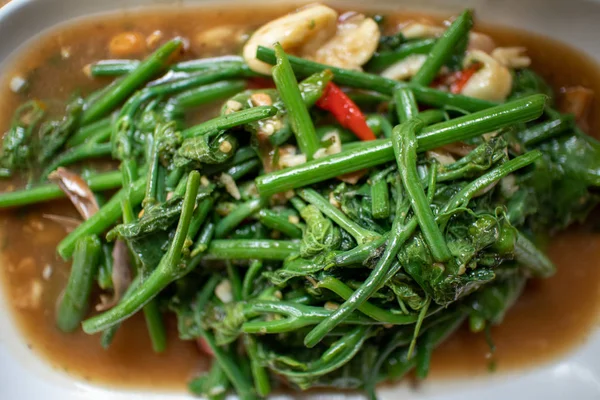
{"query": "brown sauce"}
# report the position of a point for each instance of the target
(547, 322)
(551, 317)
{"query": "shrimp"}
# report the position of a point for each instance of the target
(127, 44)
(353, 45)
(220, 37)
(405, 68)
(315, 33)
(481, 41)
(492, 82)
(512, 57)
(422, 30)
(300, 33)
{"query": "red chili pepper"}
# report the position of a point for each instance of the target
(462, 77)
(455, 81)
(345, 111)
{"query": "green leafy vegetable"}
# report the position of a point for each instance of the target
(341, 271)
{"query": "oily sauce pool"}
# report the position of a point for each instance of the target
(547, 321)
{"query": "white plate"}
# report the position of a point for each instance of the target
(24, 376)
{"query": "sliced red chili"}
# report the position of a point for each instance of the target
(462, 77)
(456, 81)
(345, 111)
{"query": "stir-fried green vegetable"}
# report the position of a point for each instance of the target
(294, 251)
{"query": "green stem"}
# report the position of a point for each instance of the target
(443, 48)
(85, 132)
(432, 117)
(155, 326)
(259, 373)
(235, 281)
(136, 78)
(362, 80)
(134, 103)
(532, 259)
(384, 59)
(252, 273)
(74, 303)
(242, 169)
(359, 233)
(380, 199)
(360, 253)
(213, 385)
(546, 130)
(230, 121)
(209, 93)
(105, 269)
(152, 315)
(251, 249)
(200, 215)
(129, 170)
(422, 315)
(174, 177)
(339, 353)
(212, 63)
(108, 335)
(461, 198)
(102, 220)
(436, 98)
(206, 235)
(280, 223)
(377, 123)
(378, 152)
(299, 118)
(436, 335)
(167, 270)
(51, 191)
(377, 313)
(242, 154)
(235, 217)
(74, 154)
(238, 379)
(360, 296)
(113, 67)
(153, 175)
(405, 148)
(296, 316)
(406, 105)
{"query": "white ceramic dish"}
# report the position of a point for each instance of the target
(25, 376)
